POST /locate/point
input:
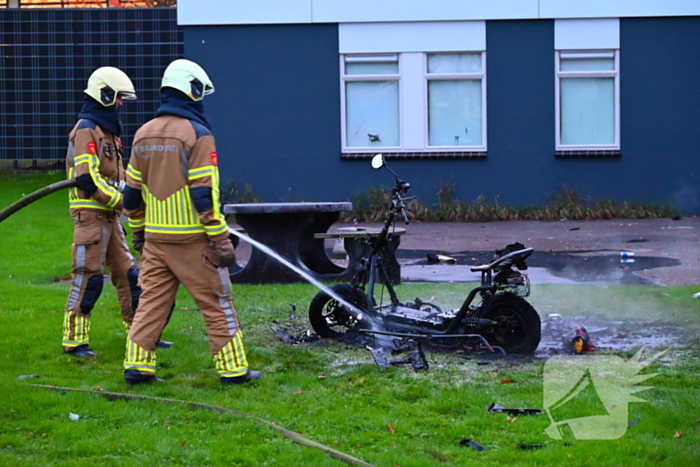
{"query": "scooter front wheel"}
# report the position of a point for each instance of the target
(329, 317)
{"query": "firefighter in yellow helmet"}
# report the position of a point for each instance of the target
(172, 201)
(94, 159)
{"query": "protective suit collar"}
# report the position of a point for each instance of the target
(107, 117)
(174, 102)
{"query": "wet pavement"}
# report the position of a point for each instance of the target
(666, 251)
(544, 267)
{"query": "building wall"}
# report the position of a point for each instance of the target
(276, 116)
(276, 110)
(660, 93)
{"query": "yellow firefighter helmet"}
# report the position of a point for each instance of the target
(189, 78)
(106, 84)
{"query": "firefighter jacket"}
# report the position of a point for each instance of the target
(94, 159)
(173, 183)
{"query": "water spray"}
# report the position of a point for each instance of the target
(354, 311)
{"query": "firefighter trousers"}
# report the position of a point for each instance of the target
(164, 266)
(98, 241)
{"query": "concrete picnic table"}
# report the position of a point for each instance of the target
(287, 228)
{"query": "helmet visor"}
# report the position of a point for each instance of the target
(208, 89)
(127, 96)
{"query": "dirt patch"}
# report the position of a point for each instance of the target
(609, 335)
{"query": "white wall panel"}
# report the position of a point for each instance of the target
(412, 37)
(617, 8)
(576, 34)
(349, 11)
(202, 12)
(194, 12)
(413, 108)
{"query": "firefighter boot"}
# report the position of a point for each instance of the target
(249, 376)
(81, 351)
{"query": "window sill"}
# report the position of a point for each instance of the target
(417, 155)
(589, 154)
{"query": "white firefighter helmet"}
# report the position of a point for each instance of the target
(106, 84)
(189, 78)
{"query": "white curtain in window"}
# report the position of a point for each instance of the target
(454, 63)
(372, 113)
(454, 113)
(587, 111)
(599, 64)
(376, 68)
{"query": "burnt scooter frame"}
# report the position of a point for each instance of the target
(503, 319)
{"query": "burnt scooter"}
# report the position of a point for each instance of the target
(494, 315)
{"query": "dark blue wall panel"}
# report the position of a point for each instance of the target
(660, 94)
(276, 110)
(520, 78)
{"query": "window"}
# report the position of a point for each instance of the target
(371, 89)
(413, 102)
(455, 100)
(588, 100)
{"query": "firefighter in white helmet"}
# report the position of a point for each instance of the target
(172, 201)
(94, 159)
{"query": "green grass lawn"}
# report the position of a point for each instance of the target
(392, 417)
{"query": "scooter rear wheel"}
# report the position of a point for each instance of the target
(519, 328)
(329, 317)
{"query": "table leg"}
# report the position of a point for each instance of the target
(282, 232)
(312, 250)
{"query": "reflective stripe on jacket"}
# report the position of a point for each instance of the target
(173, 182)
(97, 153)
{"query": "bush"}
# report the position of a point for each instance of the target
(372, 205)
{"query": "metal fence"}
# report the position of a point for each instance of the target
(46, 57)
(87, 3)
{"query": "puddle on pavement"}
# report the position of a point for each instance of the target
(594, 266)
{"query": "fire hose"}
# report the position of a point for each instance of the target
(29, 199)
(294, 437)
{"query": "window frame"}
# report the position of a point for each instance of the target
(559, 75)
(344, 78)
(427, 77)
(416, 72)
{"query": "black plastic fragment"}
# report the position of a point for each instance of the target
(499, 408)
(416, 359)
(473, 444)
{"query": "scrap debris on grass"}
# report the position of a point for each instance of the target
(298, 336)
(416, 359)
(27, 376)
(561, 334)
(473, 444)
(494, 407)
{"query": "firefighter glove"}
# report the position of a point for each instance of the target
(138, 240)
(225, 252)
